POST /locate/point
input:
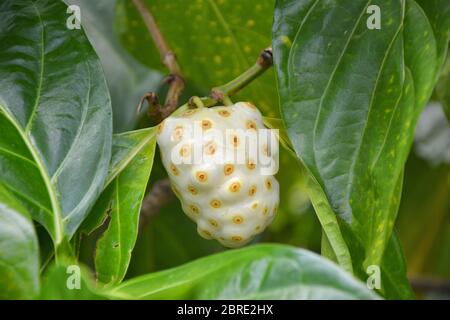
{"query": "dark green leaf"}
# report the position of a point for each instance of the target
(114, 248)
(214, 41)
(19, 250)
(55, 115)
(350, 99)
(255, 272)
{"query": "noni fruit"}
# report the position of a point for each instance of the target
(221, 162)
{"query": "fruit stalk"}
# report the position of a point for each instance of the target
(264, 62)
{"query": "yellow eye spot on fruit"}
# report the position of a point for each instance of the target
(234, 187)
(251, 125)
(238, 219)
(228, 169)
(189, 113)
(215, 203)
(174, 170)
(214, 223)
(274, 211)
(192, 190)
(177, 133)
(268, 184)
(255, 205)
(250, 105)
(194, 209)
(175, 190)
(206, 124)
(210, 148)
(265, 211)
(235, 141)
(206, 233)
(252, 190)
(257, 228)
(224, 113)
(236, 238)
(251, 164)
(185, 150)
(201, 176)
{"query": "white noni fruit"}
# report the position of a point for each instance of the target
(221, 166)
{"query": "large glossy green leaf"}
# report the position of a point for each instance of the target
(255, 272)
(55, 115)
(114, 248)
(19, 250)
(214, 40)
(127, 78)
(351, 97)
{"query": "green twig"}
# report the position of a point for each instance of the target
(264, 62)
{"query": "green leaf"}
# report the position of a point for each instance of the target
(276, 123)
(19, 250)
(71, 282)
(55, 115)
(114, 248)
(350, 99)
(125, 147)
(168, 239)
(333, 243)
(127, 78)
(443, 88)
(214, 41)
(255, 272)
(424, 217)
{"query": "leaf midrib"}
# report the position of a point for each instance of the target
(57, 222)
(58, 226)
(371, 103)
(330, 80)
(41, 73)
(124, 163)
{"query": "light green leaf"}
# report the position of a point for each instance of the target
(125, 148)
(350, 100)
(114, 248)
(443, 89)
(19, 250)
(214, 41)
(55, 115)
(68, 282)
(255, 272)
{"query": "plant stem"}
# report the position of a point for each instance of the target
(175, 79)
(264, 62)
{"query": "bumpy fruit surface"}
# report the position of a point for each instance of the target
(225, 192)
